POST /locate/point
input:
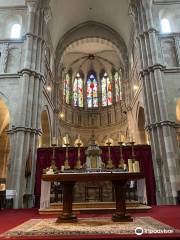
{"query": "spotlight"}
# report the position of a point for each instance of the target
(48, 88)
(135, 87)
(61, 115)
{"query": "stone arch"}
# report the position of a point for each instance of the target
(97, 32)
(142, 135)
(45, 139)
(4, 138)
(178, 110)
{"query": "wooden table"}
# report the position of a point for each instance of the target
(118, 179)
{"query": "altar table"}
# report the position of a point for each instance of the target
(118, 180)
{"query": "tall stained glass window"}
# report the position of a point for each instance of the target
(92, 95)
(78, 91)
(118, 87)
(66, 88)
(106, 87)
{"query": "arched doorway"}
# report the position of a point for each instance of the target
(141, 124)
(45, 138)
(4, 138)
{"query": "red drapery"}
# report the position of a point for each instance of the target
(142, 153)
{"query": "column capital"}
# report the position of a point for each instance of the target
(24, 129)
(30, 73)
(152, 68)
(32, 5)
(151, 126)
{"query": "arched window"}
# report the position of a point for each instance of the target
(66, 88)
(118, 87)
(78, 91)
(106, 87)
(92, 98)
(16, 31)
(165, 26)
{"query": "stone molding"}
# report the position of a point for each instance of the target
(151, 126)
(28, 34)
(31, 73)
(152, 68)
(25, 130)
(145, 33)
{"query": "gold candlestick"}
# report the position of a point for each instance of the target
(78, 162)
(66, 162)
(132, 149)
(109, 163)
(53, 160)
(121, 162)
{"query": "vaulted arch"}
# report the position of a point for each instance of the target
(4, 138)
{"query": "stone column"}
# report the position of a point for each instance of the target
(24, 136)
(161, 129)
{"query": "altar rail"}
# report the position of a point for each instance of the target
(142, 153)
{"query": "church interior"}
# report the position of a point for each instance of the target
(89, 119)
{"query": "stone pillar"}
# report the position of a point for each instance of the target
(161, 129)
(24, 136)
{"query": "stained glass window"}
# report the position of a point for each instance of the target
(106, 87)
(78, 91)
(66, 88)
(118, 88)
(92, 96)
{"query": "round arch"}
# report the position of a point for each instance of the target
(178, 110)
(45, 139)
(141, 125)
(97, 32)
(4, 138)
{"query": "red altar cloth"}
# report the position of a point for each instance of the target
(142, 153)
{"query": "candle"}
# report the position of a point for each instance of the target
(137, 166)
(130, 165)
(125, 166)
(54, 141)
(66, 140)
(134, 167)
(62, 168)
(131, 138)
(79, 140)
(119, 137)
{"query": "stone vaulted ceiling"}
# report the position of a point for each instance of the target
(67, 14)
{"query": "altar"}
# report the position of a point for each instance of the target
(142, 152)
(68, 180)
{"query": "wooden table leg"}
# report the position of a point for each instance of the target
(67, 215)
(120, 197)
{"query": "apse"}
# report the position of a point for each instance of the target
(92, 78)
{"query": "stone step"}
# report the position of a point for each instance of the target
(95, 207)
